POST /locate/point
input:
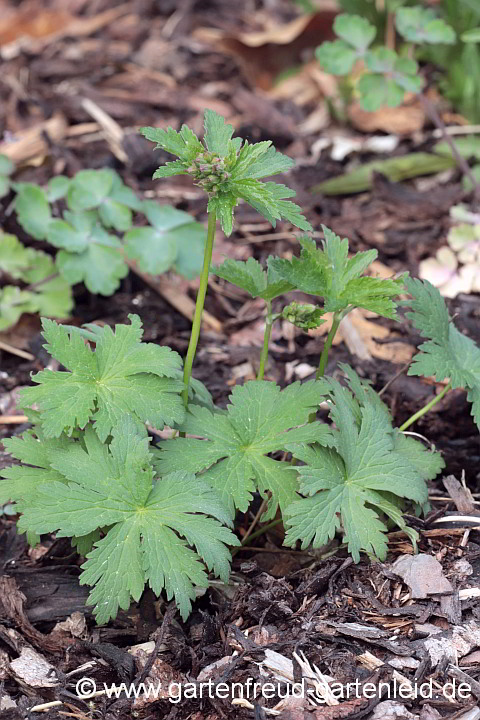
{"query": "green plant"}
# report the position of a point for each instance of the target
(161, 515)
(94, 239)
(6, 169)
(228, 170)
(44, 291)
(388, 75)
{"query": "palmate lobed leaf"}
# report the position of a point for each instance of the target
(153, 524)
(350, 483)
(121, 376)
(331, 274)
(447, 353)
(261, 419)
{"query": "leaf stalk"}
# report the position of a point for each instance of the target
(337, 318)
(266, 340)
(420, 413)
(197, 318)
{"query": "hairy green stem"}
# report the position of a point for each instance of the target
(266, 340)
(197, 318)
(328, 344)
(426, 408)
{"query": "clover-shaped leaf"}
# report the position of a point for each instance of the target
(105, 191)
(339, 57)
(377, 91)
(390, 77)
(336, 57)
(88, 189)
(33, 210)
(251, 277)
(172, 239)
(354, 30)
(91, 255)
(421, 25)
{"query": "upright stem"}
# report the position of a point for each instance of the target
(266, 340)
(328, 344)
(197, 318)
(435, 117)
(426, 408)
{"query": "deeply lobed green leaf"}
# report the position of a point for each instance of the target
(331, 274)
(352, 484)
(261, 419)
(159, 532)
(447, 353)
(122, 375)
(229, 169)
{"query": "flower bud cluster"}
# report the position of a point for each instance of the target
(209, 171)
(305, 316)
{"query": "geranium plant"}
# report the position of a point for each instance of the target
(163, 515)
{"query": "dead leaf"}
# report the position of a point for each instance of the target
(263, 55)
(361, 335)
(29, 145)
(34, 30)
(403, 120)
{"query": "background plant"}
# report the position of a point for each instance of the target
(89, 221)
(388, 75)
